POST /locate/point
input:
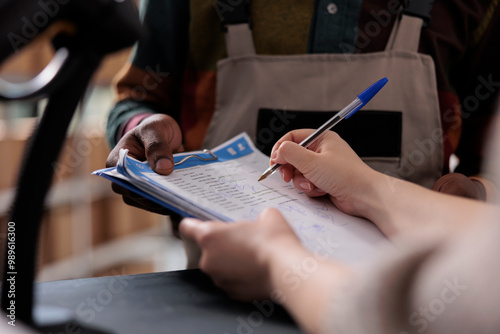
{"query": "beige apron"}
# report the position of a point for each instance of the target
(247, 82)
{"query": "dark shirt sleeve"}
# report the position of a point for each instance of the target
(476, 79)
(151, 82)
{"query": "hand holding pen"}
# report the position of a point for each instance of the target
(347, 112)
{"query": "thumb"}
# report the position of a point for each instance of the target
(271, 214)
(159, 136)
(191, 229)
(160, 158)
(299, 157)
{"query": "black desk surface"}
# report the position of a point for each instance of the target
(170, 302)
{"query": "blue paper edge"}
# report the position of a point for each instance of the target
(138, 191)
(221, 151)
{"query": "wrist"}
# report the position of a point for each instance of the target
(368, 194)
(282, 261)
(132, 123)
(296, 275)
(376, 201)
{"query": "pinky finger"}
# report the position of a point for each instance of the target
(286, 172)
(303, 184)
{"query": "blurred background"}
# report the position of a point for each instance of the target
(87, 230)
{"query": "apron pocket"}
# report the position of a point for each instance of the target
(372, 134)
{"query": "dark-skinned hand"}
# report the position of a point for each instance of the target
(155, 139)
(460, 185)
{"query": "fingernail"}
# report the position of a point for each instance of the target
(164, 164)
(306, 186)
(274, 155)
(282, 174)
(188, 221)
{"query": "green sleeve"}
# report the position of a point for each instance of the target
(162, 48)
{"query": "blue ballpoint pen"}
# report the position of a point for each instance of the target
(347, 112)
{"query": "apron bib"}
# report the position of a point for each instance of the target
(400, 128)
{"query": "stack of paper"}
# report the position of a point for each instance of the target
(226, 189)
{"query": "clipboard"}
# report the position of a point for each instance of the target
(221, 184)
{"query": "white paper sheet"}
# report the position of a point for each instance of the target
(228, 190)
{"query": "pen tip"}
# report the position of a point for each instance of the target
(262, 177)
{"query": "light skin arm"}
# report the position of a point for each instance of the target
(307, 298)
(265, 260)
(396, 206)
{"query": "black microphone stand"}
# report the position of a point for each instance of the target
(100, 27)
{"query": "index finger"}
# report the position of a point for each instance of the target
(295, 136)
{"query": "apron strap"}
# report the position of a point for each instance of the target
(239, 40)
(237, 26)
(418, 8)
(405, 35)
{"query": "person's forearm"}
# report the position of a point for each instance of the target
(397, 206)
(304, 284)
